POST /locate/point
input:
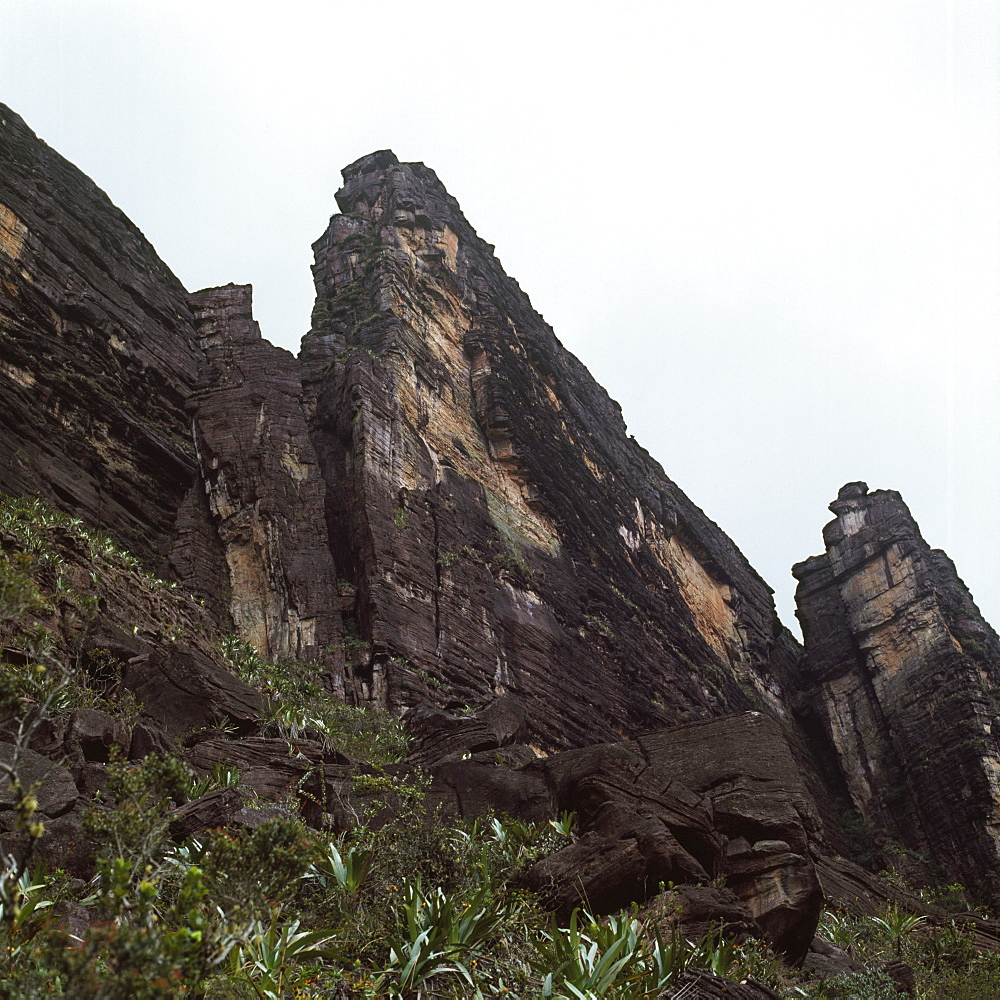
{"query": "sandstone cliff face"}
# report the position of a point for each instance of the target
(439, 505)
(453, 501)
(900, 678)
(503, 531)
(452, 481)
(97, 358)
(266, 495)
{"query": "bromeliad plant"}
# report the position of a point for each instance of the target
(347, 870)
(437, 934)
(898, 925)
(273, 959)
(610, 957)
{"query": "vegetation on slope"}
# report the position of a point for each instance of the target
(409, 904)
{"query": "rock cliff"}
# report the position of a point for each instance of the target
(98, 357)
(452, 499)
(503, 532)
(435, 506)
(264, 488)
(899, 685)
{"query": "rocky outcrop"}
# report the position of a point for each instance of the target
(439, 507)
(264, 489)
(502, 530)
(51, 784)
(710, 800)
(899, 684)
(182, 689)
(450, 511)
(97, 358)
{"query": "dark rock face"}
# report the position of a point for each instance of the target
(493, 528)
(851, 889)
(697, 909)
(699, 983)
(181, 689)
(744, 766)
(686, 805)
(439, 507)
(97, 355)
(439, 737)
(217, 808)
(263, 485)
(899, 683)
(503, 532)
(56, 791)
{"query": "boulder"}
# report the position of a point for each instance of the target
(827, 960)
(63, 845)
(902, 974)
(781, 890)
(150, 738)
(438, 737)
(91, 735)
(278, 771)
(56, 791)
(252, 752)
(626, 857)
(182, 689)
(744, 766)
(696, 909)
(719, 798)
(216, 808)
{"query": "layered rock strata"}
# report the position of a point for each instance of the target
(719, 799)
(502, 530)
(264, 488)
(97, 358)
(899, 683)
(438, 504)
(452, 507)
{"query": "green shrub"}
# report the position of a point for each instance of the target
(873, 984)
(300, 704)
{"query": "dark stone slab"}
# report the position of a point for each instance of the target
(181, 688)
(56, 791)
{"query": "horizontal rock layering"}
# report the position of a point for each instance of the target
(437, 505)
(899, 685)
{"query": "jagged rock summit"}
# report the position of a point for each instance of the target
(899, 688)
(500, 530)
(438, 507)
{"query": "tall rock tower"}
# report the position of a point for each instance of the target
(498, 529)
(901, 681)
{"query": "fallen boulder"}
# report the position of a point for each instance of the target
(181, 688)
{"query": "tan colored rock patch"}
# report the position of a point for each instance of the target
(13, 233)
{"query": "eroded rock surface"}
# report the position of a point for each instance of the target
(720, 799)
(97, 358)
(183, 689)
(263, 485)
(503, 532)
(439, 507)
(899, 683)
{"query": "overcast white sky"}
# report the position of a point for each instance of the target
(770, 230)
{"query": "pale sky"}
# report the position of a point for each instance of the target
(770, 230)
